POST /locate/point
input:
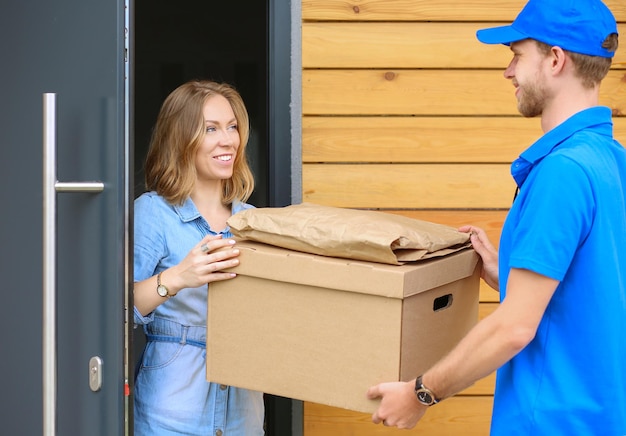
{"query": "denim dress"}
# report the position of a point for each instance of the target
(172, 396)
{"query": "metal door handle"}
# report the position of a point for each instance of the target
(50, 187)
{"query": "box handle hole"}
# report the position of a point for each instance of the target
(442, 302)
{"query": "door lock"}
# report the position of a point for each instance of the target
(95, 373)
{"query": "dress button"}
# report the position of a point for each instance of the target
(223, 387)
(219, 432)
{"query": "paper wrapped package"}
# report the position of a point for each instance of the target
(348, 233)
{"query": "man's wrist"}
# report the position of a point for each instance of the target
(424, 395)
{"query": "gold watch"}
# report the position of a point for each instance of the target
(162, 289)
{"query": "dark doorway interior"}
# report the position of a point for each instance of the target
(192, 39)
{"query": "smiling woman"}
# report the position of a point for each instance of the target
(197, 176)
(175, 42)
(174, 45)
(199, 117)
(217, 151)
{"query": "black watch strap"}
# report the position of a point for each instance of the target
(423, 394)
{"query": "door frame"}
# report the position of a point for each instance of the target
(279, 100)
(284, 415)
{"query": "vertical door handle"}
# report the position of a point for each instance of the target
(50, 187)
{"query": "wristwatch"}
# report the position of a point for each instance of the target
(423, 394)
(162, 289)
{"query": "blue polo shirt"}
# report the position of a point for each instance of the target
(569, 223)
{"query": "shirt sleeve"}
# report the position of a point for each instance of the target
(556, 217)
(149, 239)
(149, 244)
(139, 319)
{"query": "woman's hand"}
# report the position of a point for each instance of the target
(204, 263)
(487, 252)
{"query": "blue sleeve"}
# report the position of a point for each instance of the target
(149, 239)
(139, 319)
(149, 243)
(556, 216)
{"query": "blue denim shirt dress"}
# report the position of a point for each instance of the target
(172, 396)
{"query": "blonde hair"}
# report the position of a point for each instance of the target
(177, 135)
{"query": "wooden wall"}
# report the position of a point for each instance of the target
(406, 112)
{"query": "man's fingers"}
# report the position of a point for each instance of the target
(374, 392)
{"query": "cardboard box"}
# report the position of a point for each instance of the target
(325, 329)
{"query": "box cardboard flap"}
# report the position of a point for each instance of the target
(395, 281)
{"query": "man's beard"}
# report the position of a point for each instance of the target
(532, 100)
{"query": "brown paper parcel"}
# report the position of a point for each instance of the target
(348, 233)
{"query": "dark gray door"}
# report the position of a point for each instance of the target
(74, 49)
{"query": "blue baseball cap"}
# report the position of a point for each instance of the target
(579, 26)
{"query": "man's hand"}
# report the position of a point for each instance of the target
(399, 406)
(487, 252)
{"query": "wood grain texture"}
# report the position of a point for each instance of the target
(422, 139)
(425, 92)
(406, 45)
(405, 111)
(424, 10)
(401, 186)
(467, 416)
(417, 139)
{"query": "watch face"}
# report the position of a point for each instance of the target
(425, 397)
(162, 291)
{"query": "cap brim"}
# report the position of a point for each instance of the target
(499, 35)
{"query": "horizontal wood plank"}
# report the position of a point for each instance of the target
(486, 309)
(424, 10)
(488, 294)
(485, 386)
(406, 112)
(407, 45)
(425, 92)
(467, 416)
(419, 186)
(398, 45)
(418, 139)
(422, 139)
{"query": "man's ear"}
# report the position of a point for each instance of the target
(558, 59)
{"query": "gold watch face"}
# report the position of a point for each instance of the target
(162, 291)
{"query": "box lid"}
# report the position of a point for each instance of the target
(394, 281)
